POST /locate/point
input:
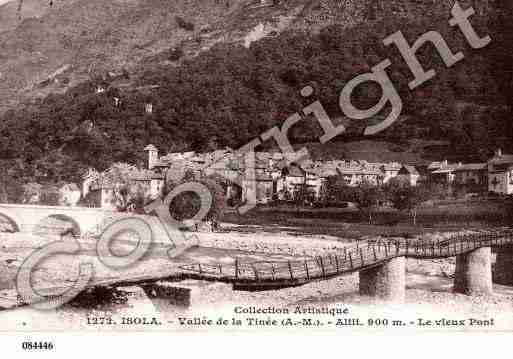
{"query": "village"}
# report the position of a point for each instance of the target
(275, 180)
(265, 167)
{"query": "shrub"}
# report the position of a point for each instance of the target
(186, 205)
(368, 197)
(175, 54)
(184, 24)
(405, 197)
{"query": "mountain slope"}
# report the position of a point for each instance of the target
(54, 47)
(14, 11)
(207, 91)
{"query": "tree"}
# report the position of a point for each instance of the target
(187, 204)
(368, 197)
(303, 194)
(130, 196)
(256, 88)
(126, 193)
(405, 197)
(11, 189)
(336, 191)
(31, 193)
(49, 195)
(218, 207)
(507, 207)
(439, 190)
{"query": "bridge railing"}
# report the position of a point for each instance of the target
(351, 258)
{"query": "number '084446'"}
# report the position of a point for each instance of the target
(27, 345)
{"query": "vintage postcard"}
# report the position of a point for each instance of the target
(306, 166)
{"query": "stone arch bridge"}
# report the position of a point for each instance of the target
(28, 218)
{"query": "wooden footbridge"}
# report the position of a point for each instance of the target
(353, 258)
(380, 264)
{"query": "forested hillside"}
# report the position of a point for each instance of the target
(229, 94)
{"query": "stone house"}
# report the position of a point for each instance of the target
(390, 170)
(274, 178)
(355, 173)
(500, 173)
(259, 188)
(472, 174)
(290, 181)
(258, 184)
(408, 174)
(433, 166)
(103, 189)
(317, 176)
(444, 173)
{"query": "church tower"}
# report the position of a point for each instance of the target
(153, 155)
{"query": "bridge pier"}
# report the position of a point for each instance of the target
(386, 281)
(165, 294)
(473, 273)
(503, 271)
(182, 295)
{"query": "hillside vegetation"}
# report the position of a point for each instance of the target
(220, 74)
(85, 37)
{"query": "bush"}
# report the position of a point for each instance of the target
(405, 197)
(368, 197)
(460, 191)
(186, 205)
(49, 195)
(336, 192)
(184, 24)
(175, 54)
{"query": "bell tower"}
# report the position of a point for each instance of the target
(153, 155)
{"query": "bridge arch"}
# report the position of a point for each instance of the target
(75, 229)
(11, 221)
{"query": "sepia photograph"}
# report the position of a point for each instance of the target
(255, 166)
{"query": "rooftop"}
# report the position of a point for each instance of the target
(502, 159)
(150, 148)
(411, 170)
(472, 167)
